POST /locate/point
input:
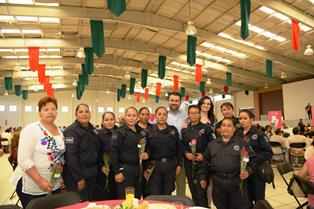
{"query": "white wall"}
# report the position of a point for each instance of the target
(94, 99)
(296, 96)
(243, 101)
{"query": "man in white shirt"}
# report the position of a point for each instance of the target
(177, 117)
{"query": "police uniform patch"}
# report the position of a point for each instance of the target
(69, 140)
(143, 133)
(238, 125)
(173, 132)
(254, 136)
(202, 131)
(236, 147)
(114, 136)
(95, 131)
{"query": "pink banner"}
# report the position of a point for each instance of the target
(275, 118)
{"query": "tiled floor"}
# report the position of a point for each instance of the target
(278, 198)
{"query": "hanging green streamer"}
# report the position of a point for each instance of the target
(182, 91)
(123, 90)
(89, 60)
(118, 95)
(156, 99)
(229, 78)
(132, 85)
(162, 66)
(98, 38)
(245, 6)
(202, 86)
(25, 94)
(117, 7)
(269, 68)
(144, 78)
(18, 90)
(191, 52)
(8, 83)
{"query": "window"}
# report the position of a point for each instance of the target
(28, 108)
(12, 108)
(2, 108)
(64, 109)
(121, 109)
(101, 109)
(109, 109)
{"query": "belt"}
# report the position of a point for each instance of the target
(227, 175)
(165, 159)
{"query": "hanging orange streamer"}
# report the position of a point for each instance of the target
(158, 89)
(175, 82)
(198, 73)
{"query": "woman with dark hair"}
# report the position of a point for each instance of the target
(125, 154)
(222, 161)
(260, 151)
(106, 187)
(40, 155)
(164, 151)
(82, 156)
(207, 110)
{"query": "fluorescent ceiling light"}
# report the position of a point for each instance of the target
(284, 18)
(263, 32)
(248, 43)
(50, 56)
(6, 50)
(26, 18)
(224, 50)
(53, 50)
(20, 1)
(49, 19)
(181, 65)
(47, 4)
(10, 31)
(213, 57)
(58, 77)
(31, 31)
(312, 1)
(5, 18)
(3, 1)
(20, 50)
(54, 67)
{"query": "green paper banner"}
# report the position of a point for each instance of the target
(8, 83)
(18, 90)
(144, 78)
(132, 85)
(202, 86)
(98, 38)
(182, 91)
(245, 6)
(123, 90)
(118, 95)
(191, 52)
(156, 99)
(89, 60)
(269, 68)
(85, 79)
(229, 78)
(162, 66)
(25, 94)
(78, 93)
(117, 7)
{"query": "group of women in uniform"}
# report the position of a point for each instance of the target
(101, 163)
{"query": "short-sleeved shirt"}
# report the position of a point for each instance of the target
(310, 165)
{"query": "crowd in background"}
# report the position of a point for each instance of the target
(154, 158)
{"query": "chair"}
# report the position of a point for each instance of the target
(54, 201)
(262, 204)
(169, 198)
(286, 170)
(5, 145)
(277, 156)
(296, 153)
(306, 186)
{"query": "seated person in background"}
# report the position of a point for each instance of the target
(277, 138)
(7, 135)
(296, 138)
(268, 131)
(309, 151)
(14, 145)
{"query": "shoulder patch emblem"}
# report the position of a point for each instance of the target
(254, 136)
(69, 140)
(238, 125)
(114, 136)
(172, 132)
(202, 131)
(236, 147)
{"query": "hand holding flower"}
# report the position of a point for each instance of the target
(105, 170)
(144, 156)
(199, 157)
(189, 156)
(244, 174)
(203, 184)
(178, 170)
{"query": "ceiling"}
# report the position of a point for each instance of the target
(149, 28)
